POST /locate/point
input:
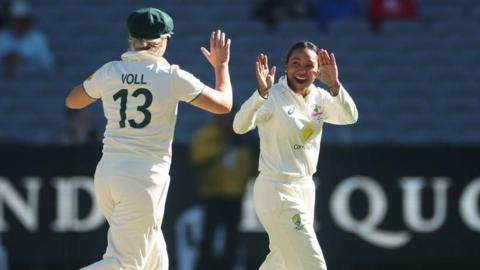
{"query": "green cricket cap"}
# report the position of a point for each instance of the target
(149, 23)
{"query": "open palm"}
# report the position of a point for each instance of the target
(265, 75)
(328, 71)
(219, 53)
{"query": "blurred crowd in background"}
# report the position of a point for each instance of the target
(411, 64)
(326, 11)
(373, 39)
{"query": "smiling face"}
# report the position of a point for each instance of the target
(302, 69)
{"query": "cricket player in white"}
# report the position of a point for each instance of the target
(289, 116)
(140, 95)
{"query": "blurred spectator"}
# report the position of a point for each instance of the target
(22, 46)
(329, 10)
(381, 10)
(3, 12)
(272, 11)
(79, 129)
(223, 168)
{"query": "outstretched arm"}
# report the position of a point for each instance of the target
(341, 109)
(218, 100)
(254, 110)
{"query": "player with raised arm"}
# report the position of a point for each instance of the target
(140, 96)
(290, 115)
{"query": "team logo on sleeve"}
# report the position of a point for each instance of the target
(297, 221)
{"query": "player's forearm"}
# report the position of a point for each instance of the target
(344, 108)
(244, 120)
(223, 84)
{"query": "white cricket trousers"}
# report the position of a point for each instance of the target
(285, 208)
(132, 196)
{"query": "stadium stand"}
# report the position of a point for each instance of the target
(414, 82)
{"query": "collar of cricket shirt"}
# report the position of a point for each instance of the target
(144, 56)
(284, 83)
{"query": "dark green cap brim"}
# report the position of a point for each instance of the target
(149, 23)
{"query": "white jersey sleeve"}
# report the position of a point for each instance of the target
(92, 84)
(186, 87)
(340, 109)
(254, 111)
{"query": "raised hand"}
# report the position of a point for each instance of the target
(328, 71)
(219, 53)
(265, 75)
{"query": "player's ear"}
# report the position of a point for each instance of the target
(162, 45)
(163, 41)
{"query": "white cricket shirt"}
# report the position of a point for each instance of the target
(140, 96)
(290, 126)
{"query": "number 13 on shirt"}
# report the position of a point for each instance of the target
(123, 96)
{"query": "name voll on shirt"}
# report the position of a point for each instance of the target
(130, 78)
